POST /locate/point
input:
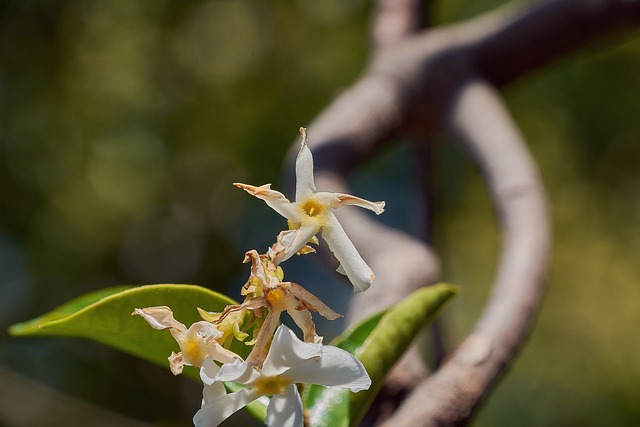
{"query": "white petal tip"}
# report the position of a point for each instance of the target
(363, 285)
(361, 288)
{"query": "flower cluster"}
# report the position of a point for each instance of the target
(278, 360)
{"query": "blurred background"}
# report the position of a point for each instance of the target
(123, 125)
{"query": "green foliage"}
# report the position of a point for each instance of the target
(104, 316)
(378, 342)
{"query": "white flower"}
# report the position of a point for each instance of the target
(311, 212)
(289, 361)
(197, 344)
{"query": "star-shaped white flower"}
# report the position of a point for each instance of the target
(311, 212)
(289, 361)
(197, 343)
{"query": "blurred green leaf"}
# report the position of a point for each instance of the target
(378, 342)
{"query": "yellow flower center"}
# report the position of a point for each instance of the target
(313, 208)
(276, 297)
(271, 385)
(192, 352)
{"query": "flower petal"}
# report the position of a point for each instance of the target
(218, 410)
(292, 241)
(221, 354)
(273, 198)
(285, 410)
(257, 267)
(337, 200)
(334, 368)
(258, 354)
(208, 371)
(205, 331)
(176, 363)
(307, 300)
(281, 251)
(199, 341)
(237, 371)
(212, 392)
(351, 263)
(305, 185)
(303, 319)
(212, 389)
(286, 351)
(160, 318)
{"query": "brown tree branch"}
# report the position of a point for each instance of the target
(478, 118)
(406, 84)
(394, 20)
(418, 85)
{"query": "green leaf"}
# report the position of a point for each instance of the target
(105, 316)
(378, 342)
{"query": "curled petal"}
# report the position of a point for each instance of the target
(251, 304)
(334, 368)
(286, 240)
(294, 240)
(287, 350)
(305, 185)
(212, 389)
(285, 410)
(351, 263)
(237, 371)
(257, 267)
(309, 301)
(259, 352)
(212, 392)
(204, 331)
(208, 371)
(176, 363)
(200, 341)
(341, 199)
(218, 410)
(160, 318)
(303, 319)
(273, 198)
(223, 355)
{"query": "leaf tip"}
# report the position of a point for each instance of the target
(16, 330)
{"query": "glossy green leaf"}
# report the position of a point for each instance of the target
(105, 316)
(378, 342)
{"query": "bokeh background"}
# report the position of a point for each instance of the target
(123, 124)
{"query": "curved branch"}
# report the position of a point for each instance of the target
(417, 85)
(477, 116)
(395, 20)
(533, 37)
(406, 84)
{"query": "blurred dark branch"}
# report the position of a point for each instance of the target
(531, 38)
(440, 79)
